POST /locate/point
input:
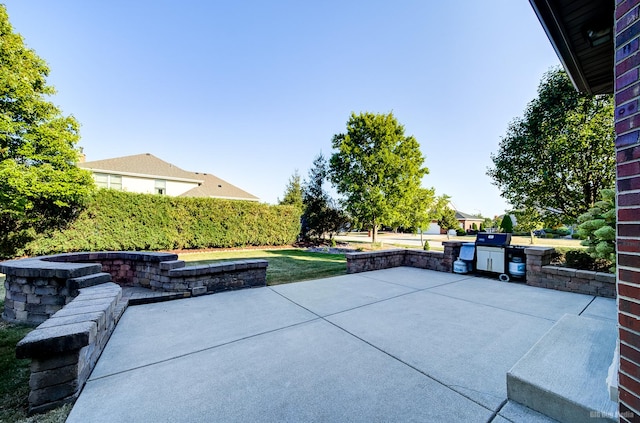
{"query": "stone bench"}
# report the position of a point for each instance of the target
(76, 301)
(38, 287)
(65, 348)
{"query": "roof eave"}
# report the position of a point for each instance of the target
(553, 27)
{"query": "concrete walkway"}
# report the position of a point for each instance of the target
(399, 344)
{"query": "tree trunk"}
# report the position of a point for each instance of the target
(374, 230)
(532, 237)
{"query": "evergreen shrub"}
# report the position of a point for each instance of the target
(115, 220)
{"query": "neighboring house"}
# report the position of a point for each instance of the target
(467, 220)
(145, 173)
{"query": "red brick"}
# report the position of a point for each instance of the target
(629, 367)
(629, 383)
(628, 169)
(628, 64)
(632, 339)
(628, 290)
(632, 199)
(629, 276)
(629, 245)
(632, 122)
(629, 322)
(629, 353)
(629, 307)
(628, 398)
(627, 414)
(627, 20)
(627, 94)
(628, 260)
(629, 184)
(624, 7)
(628, 154)
(629, 215)
(629, 229)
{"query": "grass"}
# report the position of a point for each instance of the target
(284, 265)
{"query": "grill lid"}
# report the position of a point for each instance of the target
(485, 238)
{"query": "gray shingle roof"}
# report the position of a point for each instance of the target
(148, 165)
(212, 186)
(140, 165)
(467, 216)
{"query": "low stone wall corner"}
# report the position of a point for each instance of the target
(65, 348)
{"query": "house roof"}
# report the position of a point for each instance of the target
(466, 216)
(149, 166)
(567, 24)
(212, 186)
(142, 165)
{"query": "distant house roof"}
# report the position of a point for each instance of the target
(465, 216)
(149, 166)
(212, 186)
(141, 165)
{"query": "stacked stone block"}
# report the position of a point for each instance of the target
(375, 260)
(543, 275)
(65, 348)
(36, 288)
(432, 260)
(212, 278)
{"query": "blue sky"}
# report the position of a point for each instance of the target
(253, 90)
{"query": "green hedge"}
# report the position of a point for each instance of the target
(116, 220)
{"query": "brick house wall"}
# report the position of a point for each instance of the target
(627, 126)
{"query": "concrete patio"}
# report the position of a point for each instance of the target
(399, 344)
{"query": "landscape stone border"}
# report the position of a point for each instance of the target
(541, 274)
(38, 287)
(65, 348)
(76, 301)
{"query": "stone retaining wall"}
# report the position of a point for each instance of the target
(433, 260)
(538, 271)
(541, 274)
(65, 348)
(38, 287)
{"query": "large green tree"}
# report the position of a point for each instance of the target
(559, 155)
(377, 168)
(40, 185)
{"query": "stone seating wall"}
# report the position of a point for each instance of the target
(65, 348)
(76, 301)
(38, 287)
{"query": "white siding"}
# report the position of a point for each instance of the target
(147, 186)
(176, 188)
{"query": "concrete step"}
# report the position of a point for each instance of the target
(564, 374)
(88, 280)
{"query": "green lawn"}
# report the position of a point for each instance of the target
(284, 265)
(14, 373)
